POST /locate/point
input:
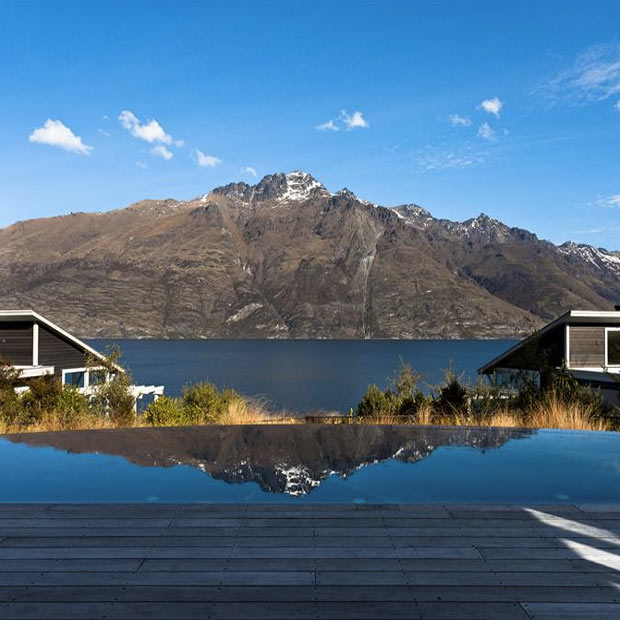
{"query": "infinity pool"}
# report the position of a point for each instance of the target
(308, 463)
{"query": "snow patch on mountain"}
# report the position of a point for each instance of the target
(298, 479)
(597, 257)
(244, 313)
(300, 186)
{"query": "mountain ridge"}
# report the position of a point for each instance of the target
(286, 258)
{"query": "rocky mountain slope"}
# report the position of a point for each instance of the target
(287, 259)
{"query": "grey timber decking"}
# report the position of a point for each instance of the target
(378, 562)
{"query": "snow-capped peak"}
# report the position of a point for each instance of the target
(597, 257)
(300, 186)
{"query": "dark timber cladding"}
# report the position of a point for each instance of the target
(545, 349)
(587, 346)
(54, 350)
(309, 561)
(16, 342)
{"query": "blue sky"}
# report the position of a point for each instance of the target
(460, 107)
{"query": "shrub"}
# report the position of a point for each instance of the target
(402, 398)
(528, 396)
(165, 411)
(408, 398)
(11, 408)
(8, 375)
(375, 403)
(114, 399)
(203, 403)
(561, 384)
(452, 396)
(41, 398)
(486, 402)
(71, 406)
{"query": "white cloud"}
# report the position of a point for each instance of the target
(141, 164)
(104, 132)
(593, 76)
(433, 160)
(612, 201)
(456, 120)
(249, 170)
(617, 106)
(327, 126)
(486, 131)
(206, 161)
(55, 133)
(149, 132)
(162, 151)
(492, 106)
(354, 121)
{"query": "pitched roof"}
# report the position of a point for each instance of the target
(27, 314)
(573, 317)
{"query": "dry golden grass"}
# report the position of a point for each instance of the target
(425, 414)
(52, 422)
(384, 419)
(241, 411)
(554, 413)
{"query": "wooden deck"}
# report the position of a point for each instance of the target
(309, 561)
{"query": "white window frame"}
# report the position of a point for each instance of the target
(86, 371)
(68, 371)
(607, 330)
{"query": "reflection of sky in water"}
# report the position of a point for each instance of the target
(547, 467)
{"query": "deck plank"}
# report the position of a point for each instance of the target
(565, 611)
(265, 611)
(308, 561)
(107, 593)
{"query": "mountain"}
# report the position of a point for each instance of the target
(291, 459)
(285, 258)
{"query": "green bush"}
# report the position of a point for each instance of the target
(452, 396)
(71, 405)
(374, 403)
(485, 401)
(204, 404)
(119, 400)
(114, 398)
(41, 398)
(562, 383)
(201, 403)
(165, 411)
(401, 398)
(11, 407)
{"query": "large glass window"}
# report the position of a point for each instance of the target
(613, 347)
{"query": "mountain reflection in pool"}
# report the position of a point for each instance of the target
(339, 464)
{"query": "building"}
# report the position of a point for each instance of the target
(38, 348)
(586, 342)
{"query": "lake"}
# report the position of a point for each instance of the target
(299, 375)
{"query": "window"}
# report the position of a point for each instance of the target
(75, 378)
(613, 347)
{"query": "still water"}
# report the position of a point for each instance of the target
(311, 463)
(299, 375)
